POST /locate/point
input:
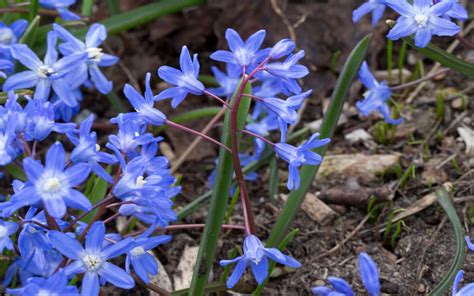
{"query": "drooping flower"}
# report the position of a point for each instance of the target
(143, 105)
(241, 54)
(96, 58)
(93, 259)
(51, 184)
(62, 7)
(467, 290)
(282, 48)
(257, 255)
(376, 97)
(288, 71)
(57, 284)
(422, 19)
(185, 80)
(341, 287)
(298, 156)
(44, 75)
(144, 264)
(377, 7)
(7, 228)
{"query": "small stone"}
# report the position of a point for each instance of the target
(457, 103)
(421, 288)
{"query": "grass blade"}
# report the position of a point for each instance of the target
(97, 194)
(29, 36)
(446, 59)
(114, 7)
(87, 6)
(445, 201)
(348, 74)
(34, 6)
(218, 203)
(273, 180)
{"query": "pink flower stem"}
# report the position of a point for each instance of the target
(196, 133)
(258, 137)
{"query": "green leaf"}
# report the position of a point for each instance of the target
(219, 200)
(144, 14)
(444, 58)
(113, 6)
(34, 6)
(16, 171)
(339, 95)
(273, 180)
(272, 265)
(87, 6)
(29, 36)
(97, 194)
(445, 201)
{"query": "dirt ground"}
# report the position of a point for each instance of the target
(423, 250)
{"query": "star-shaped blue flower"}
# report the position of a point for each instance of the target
(376, 97)
(422, 19)
(185, 80)
(257, 255)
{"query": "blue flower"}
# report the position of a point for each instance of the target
(185, 80)
(93, 259)
(469, 244)
(467, 290)
(376, 97)
(9, 149)
(10, 35)
(376, 6)
(95, 56)
(62, 7)
(44, 75)
(51, 184)
(457, 12)
(282, 48)
(40, 121)
(289, 71)
(130, 135)
(341, 287)
(87, 149)
(143, 106)
(5, 67)
(257, 255)
(7, 228)
(57, 284)
(369, 274)
(422, 19)
(241, 54)
(228, 82)
(142, 261)
(298, 156)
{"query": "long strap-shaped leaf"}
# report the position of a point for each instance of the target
(444, 58)
(218, 203)
(445, 201)
(349, 72)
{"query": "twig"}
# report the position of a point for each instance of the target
(281, 14)
(345, 240)
(197, 140)
(150, 286)
(124, 68)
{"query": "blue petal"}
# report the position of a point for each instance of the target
(254, 42)
(55, 157)
(21, 80)
(224, 56)
(170, 75)
(234, 40)
(116, 276)
(95, 237)
(90, 284)
(77, 200)
(443, 27)
(96, 35)
(118, 248)
(76, 174)
(321, 291)
(402, 7)
(260, 270)
(51, 53)
(185, 61)
(100, 81)
(404, 27)
(64, 92)
(26, 56)
(423, 37)
(362, 10)
(369, 274)
(341, 286)
(33, 169)
(66, 245)
(470, 245)
(237, 273)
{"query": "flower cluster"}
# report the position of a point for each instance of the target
(423, 18)
(58, 79)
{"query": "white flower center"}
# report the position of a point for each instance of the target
(137, 251)
(95, 54)
(92, 262)
(140, 181)
(44, 292)
(52, 185)
(421, 20)
(45, 71)
(6, 36)
(3, 231)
